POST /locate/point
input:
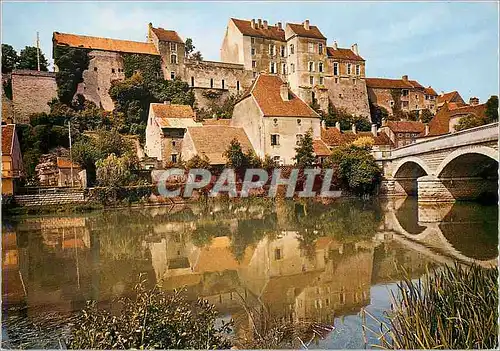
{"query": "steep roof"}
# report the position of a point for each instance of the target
(430, 91)
(212, 141)
(167, 35)
(106, 44)
(333, 137)
(272, 32)
(343, 54)
(172, 111)
(440, 124)
(8, 131)
(452, 96)
(406, 126)
(320, 148)
(266, 92)
(388, 83)
(312, 32)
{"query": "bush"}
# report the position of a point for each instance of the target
(469, 121)
(304, 152)
(426, 116)
(113, 171)
(153, 320)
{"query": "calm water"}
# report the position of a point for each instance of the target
(296, 261)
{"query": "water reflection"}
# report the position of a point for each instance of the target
(298, 261)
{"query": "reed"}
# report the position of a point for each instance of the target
(450, 308)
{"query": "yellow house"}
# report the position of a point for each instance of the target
(12, 164)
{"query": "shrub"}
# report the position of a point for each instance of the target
(113, 171)
(304, 152)
(469, 121)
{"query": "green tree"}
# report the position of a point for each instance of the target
(197, 56)
(378, 114)
(304, 152)
(113, 171)
(355, 168)
(345, 119)
(491, 113)
(10, 58)
(469, 121)
(189, 47)
(426, 116)
(198, 161)
(234, 155)
(71, 62)
(28, 59)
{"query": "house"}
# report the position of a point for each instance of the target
(212, 141)
(68, 173)
(446, 118)
(53, 170)
(403, 133)
(167, 124)
(452, 97)
(12, 161)
(275, 119)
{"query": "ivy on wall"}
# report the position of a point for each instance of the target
(71, 63)
(148, 65)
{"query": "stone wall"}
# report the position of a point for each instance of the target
(50, 199)
(349, 94)
(433, 189)
(383, 97)
(31, 93)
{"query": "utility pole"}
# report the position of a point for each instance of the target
(38, 50)
(70, 154)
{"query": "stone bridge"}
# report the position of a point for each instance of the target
(458, 166)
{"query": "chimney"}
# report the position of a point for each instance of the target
(374, 129)
(473, 101)
(265, 24)
(284, 92)
(335, 47)
(279, 26)
(337, 125)
(260, 23)
(354, 48)
(306, 24)
(150, 30)
(252, 23)
(166, 102)
(426, 129)
(353, 127)
(405, 78)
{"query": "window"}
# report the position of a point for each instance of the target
(272, 50)
(173, 46)
(174, 158)
(253, 51)
(95, 69)
(192, 81)
(404, 92)
(292, 68)
(173, 58)
(211, 82)
(275, 139)
(320, 66)
(277, 253)
(311, 66)
(321, 80)
(311, 47)
(292, 49)
(283, 68)
(299, 121)
(358, 70)
(320, 48)
(272, 67)
(112, 70)
(222, 84)
(254, 75)
(275, 122)
(311, 80)
(299, 138)
(283, 49)
(354, 81)
(238, 85)
(252, 40)
(416, 96)
(348, 68)
(254, 64)
(172, 75)
(336, 80)
(335, 68)
(173, 142)
(391, 103)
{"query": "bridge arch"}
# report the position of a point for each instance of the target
(471, 156)
(406, 172)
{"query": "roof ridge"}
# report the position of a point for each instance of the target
(92, 36)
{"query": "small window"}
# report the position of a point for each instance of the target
(95, 69)
(173, 46)
(320, 66)
(277, 254)
(173, 142)
(321, 80)
(252, 40)
(211, 82)
(292, 49)
(335, 68)
(272, 67)
(275, 121)
(173, 58)
(283, 51)
(112, 70)
(320, 48)
(358, 70)
(275, 139)
(292, 68)
(336, 80)
(192, 81)
(172, 75)
(299, 121)
(283, 68)
(348, 68)
(253, 51)
(254, 75)
(254, 64)
(354, 81)
(174, 158)
(299, 138)
(311, 47)
(238, 85)
(311, 66)
(311, 80)
(404, 92)
(222, 84)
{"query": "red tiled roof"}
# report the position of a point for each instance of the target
(106, 44)
(344, 54)
(164, 111)
(333, 137)
(216, 122)
(430, 91)
(452, 96)
(440, 124)
(272, 32)
(406, 126)
(320, 148)
(312, 32)
(266, 91)
(167, 35)
(391, 83)
(63, 162)
(212, 141)
(8, 131)
(454, 105)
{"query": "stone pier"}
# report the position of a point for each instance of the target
(434, 189)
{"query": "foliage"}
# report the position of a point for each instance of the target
(470, 121)
(10, 58)
(365, 142)
(378, 114)
(205, 232)
(149, 66)
(345, 119)
(452, 308)
(491, 113)
(188, 46)
(268, 163)
(426, 116)
(28, 59)
(234, 155)
(153, 320)
(198, 161)
(304, 152)
(71, 63)
(197, 56)
(7, 88)
(114, 171)
(355, 168)
(217, 108)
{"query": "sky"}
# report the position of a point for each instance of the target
(447, 45)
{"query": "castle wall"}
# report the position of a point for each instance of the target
(383, 97)
(232, 47)
(247, 115)
(345, 94)
(31, 93)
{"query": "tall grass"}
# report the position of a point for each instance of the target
(450, 308)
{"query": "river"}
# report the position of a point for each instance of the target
(295, 261)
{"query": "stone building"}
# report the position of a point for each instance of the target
(275, 119)
(31, 93)
(403, 133)
(453, 99)
(449, 115)
(12, 160)
(165, 130)
(399, 94)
